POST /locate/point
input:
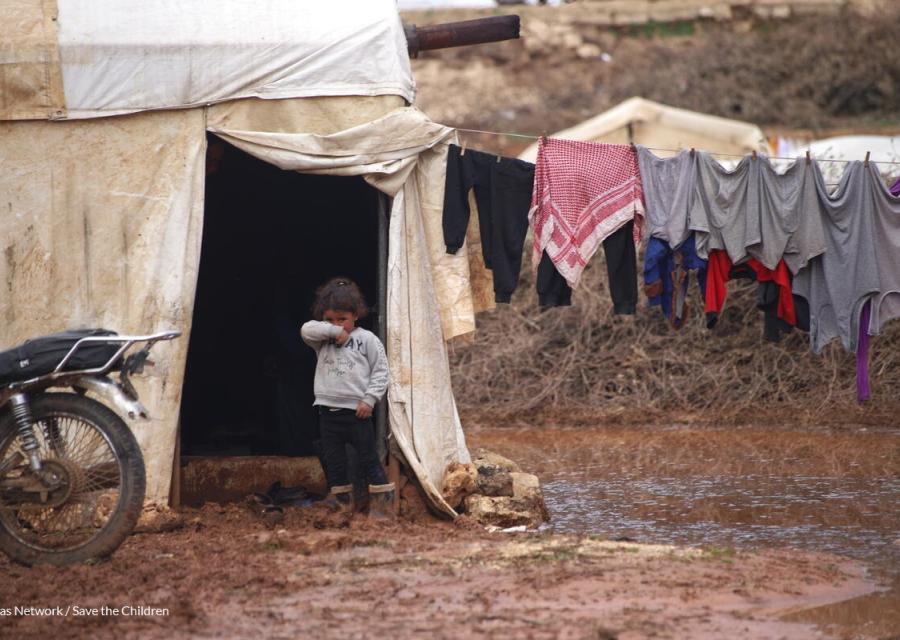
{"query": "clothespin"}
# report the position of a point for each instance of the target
(499, 158)
(866, 163)
(754, 154)
(692, 152)
(462, 150)
(808, 159)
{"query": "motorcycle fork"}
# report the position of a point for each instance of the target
(21, 411)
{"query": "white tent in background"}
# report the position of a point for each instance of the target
(883, 150)
(662, 128)
(101, 212)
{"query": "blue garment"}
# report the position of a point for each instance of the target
(667, 274)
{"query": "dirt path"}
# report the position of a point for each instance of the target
(225, 574)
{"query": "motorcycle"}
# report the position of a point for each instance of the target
(72, 477)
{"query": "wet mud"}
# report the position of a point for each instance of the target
(748, 488)
(661, 554)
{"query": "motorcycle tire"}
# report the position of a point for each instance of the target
(132, 479)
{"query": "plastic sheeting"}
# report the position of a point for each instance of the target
(30, 74)
(429, 296)
(123, 56)
(101, 227)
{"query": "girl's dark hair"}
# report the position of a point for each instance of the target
(339, 294)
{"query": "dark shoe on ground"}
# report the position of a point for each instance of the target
(341, 499)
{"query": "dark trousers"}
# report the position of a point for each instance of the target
(340, 428)
(503, 193)
(552, 288)
(621, 265)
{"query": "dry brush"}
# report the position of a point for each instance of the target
(583, 363)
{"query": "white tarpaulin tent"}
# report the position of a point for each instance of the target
(101, 217)
(662, 128)
(834, 153)
(121, 56)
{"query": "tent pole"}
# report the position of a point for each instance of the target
(381, 425)
(175, 485)
(460, 34)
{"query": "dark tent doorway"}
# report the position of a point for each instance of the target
(270, 237)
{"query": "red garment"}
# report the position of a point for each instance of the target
(717, 274)
(717, 268)
(782, 277)
(583, 192)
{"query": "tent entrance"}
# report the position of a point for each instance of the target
(270, 237)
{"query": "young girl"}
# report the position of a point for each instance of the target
(351, 376)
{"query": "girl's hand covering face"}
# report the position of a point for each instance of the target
(346, 320)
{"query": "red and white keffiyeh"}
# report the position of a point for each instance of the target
(583, 192)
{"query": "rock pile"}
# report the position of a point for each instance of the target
(495, 492)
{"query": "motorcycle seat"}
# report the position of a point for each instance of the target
(40, 356)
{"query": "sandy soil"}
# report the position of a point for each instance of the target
(225, 573)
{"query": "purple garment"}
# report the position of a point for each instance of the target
(895, 190)
(863, 392)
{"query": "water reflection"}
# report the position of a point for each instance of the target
(829, 490)
(855, 517)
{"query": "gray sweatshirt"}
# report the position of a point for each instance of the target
(668, 193)
(753, 211)
(357, 370)
(862, 237)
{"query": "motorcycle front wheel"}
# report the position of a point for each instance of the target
(101, 494)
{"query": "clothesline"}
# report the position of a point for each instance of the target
(693, 213)
(715, 153)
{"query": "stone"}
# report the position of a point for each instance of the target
(483, 457)
(572, 40)
(505, 511)
(588, 51)
(527, 487)
(494, 481)
(460, 480)
(158, 519)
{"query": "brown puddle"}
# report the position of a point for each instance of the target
(750, 488)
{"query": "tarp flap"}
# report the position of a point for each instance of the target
(121, 56)
(101, 227)
(429, 296)
(386, 151)
(30, 75)
(322, 115)
(422, 410)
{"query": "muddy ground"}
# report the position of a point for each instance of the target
(226, 575)
(225, 572)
